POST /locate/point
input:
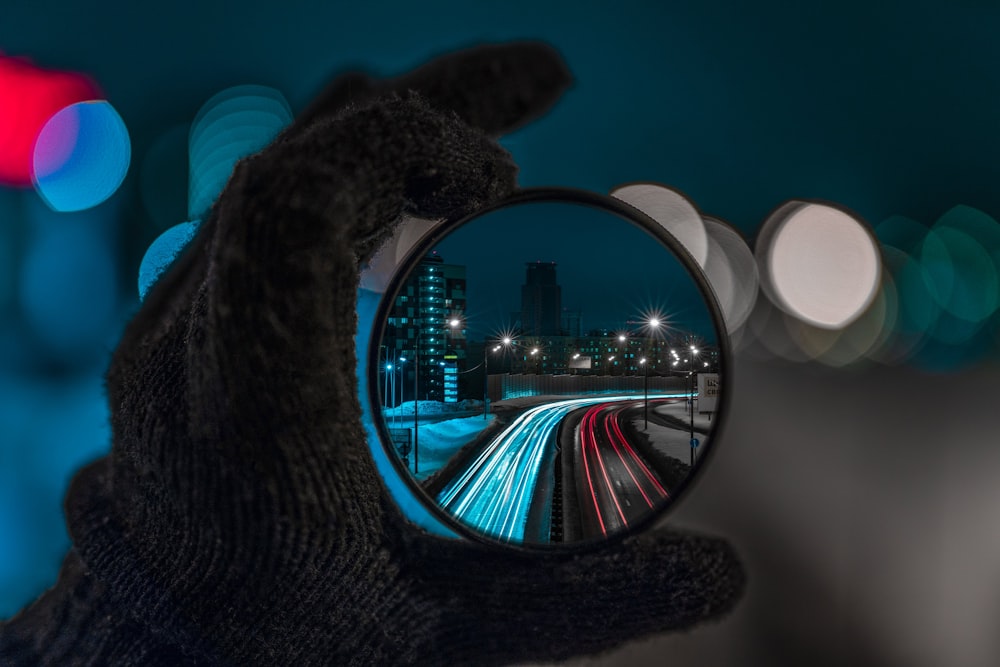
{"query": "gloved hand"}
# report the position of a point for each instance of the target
(239, 518)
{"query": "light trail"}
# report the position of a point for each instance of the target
(495, 493)
(613, 477)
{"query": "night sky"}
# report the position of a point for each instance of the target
(612, 271)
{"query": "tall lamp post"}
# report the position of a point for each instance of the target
(653, 326)
(504, 342)
(402, 378)
(416, 399)
(645, 391)
(385, 388)
(694, 352)
(621, 341)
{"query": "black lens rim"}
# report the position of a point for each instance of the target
(629, 214)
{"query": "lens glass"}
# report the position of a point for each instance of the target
(548, 373)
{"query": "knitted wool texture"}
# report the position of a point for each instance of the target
(239, 519)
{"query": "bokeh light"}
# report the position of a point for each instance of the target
(818, 263)
(963, 272)
(937, 306)
(29, 97)
(864, 337)
(908, 300)
(769, 329)
(853, 343)
(162, 252)
(233, 124)
(732, 272)
(673, 211)
(948, 286)
(81, 156)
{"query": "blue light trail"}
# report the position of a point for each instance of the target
(495, 494)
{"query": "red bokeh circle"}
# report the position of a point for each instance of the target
(29, 97)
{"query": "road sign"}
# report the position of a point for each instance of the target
(708, 391)
(694, 442)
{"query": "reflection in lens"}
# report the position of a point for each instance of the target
(548, 373)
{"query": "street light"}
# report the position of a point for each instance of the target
(652, 326)
(694, 352)
(506, 341)
(416, 399)
(645, 392)
(385, 388)
(402, 381)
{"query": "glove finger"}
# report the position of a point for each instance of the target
(272, 367)
(522, 608)
(495, 87)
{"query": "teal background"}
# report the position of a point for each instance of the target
(861, 498)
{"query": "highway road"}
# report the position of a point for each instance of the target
(615, 486)
(506, 490)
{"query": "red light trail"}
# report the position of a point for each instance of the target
(613, 473)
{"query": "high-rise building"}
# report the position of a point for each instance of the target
(419, 327)
(541, 300)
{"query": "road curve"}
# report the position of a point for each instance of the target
(498, 490)
(615, 485)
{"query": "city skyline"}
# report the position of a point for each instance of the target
(610, 272)
(608, 296)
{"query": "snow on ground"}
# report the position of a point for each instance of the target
(671, 441)
(439, 441)
(428, 408)
(680, 411)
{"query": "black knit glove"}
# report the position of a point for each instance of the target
(239, 518)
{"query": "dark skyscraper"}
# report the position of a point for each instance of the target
(541, 300)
